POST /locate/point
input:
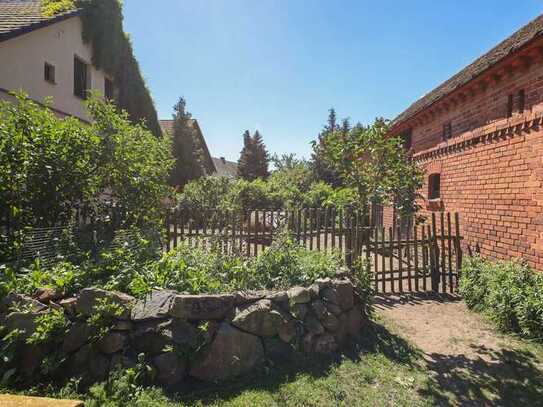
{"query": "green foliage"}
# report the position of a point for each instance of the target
(186, 147)
(50, 166)
(49, 8)
(508, 291)
(376, 165)
(206, 193)
(254, 159)
(112, 51)
(50, 327)
(103, 317)
(321, 168)
(126, 387)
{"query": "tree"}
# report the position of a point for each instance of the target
(50, 166)
(376, 165)
(254, 158)
(185, 147)
(321, 169)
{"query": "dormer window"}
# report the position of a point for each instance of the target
(447, 131)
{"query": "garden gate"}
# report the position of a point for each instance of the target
(422, 257)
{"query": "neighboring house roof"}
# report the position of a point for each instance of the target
(167, 127)
(519, 39)
(19, 17)
(225, 168)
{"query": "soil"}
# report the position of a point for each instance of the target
(467, 359)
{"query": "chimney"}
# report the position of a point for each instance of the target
(223, 160)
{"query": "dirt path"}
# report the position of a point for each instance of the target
(470, 363)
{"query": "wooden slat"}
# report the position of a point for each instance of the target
(400, 259)
(311, 227)
(443, 260)
(408, 248)
(449, 253)
(375, 250)
(424, 258)
(383, 259)
(434, 256)
(305, 227)
(416, 255)
(319, 215)
(168, 234)
(391, 255)
(457, 245)
(341, 232)
(333, 220)
(326, 220)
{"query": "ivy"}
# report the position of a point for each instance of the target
(112, 51)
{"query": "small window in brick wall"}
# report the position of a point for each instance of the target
(510, 106)
(521, 101)
(447, 131)
(434, 185)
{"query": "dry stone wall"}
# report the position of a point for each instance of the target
(207, 337)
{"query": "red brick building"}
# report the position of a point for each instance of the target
(479, 137)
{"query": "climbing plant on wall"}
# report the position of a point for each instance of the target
(112, 52)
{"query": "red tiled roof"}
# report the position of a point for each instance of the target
(21, 16)
(522, 37)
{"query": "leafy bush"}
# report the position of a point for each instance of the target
(509, 292)
(51, 166)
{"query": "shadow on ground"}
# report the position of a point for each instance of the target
(376, 339)
(506, 377)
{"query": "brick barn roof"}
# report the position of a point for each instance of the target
(507, 47)
(19, 17)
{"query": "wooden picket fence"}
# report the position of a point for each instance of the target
(407, 258)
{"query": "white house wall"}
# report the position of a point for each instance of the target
(22, 62)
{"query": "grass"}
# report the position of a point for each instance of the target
(379, 369)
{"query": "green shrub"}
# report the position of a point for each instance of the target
(509, 292)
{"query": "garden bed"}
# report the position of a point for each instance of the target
(177, 336)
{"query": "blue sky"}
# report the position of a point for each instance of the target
(279, 65)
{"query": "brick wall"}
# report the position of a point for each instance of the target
(491, 169)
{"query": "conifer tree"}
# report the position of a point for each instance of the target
(185, 147)
(254, 158)
(322, 170)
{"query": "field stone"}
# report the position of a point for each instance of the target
(171, 369)
(325, 344)
(23, 321)
(68, 304)
(179, 332)
(78, 335)
(299, 311)
(334, 309)
(314, 290)
(231, 353)
(313, 325)
(46, 294)
(147, 337)
(277, 350)
(354, 321)
(13, 300)
(319, 308)
(288, 330)
(299, 295)
(258, 318)
(198, 307)
(156, 304)
(112, 342)
(339, 293)
(244, 297)
(88, 299)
